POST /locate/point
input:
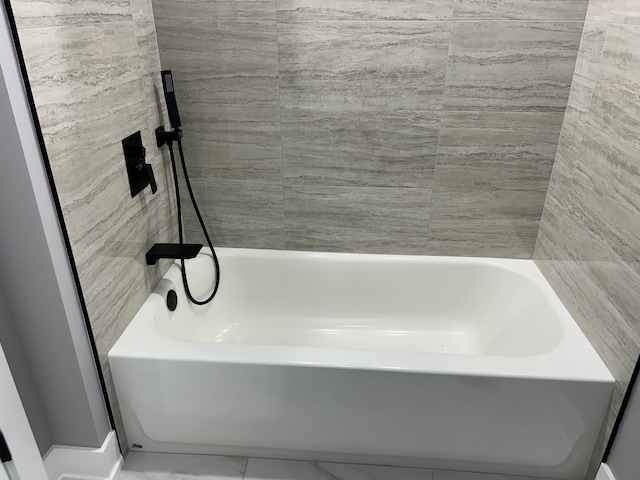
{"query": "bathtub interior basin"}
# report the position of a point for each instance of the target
(403, 304)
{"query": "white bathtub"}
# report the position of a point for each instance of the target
(454, 363)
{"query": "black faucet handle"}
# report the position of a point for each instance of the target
(152, 178)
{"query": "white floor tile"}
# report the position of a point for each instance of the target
(451, 475)
(159, 466)
(266, 469)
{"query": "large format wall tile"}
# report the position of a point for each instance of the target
(354, 98)
(509, 150)
(614, 11)
(213, 10)
(357, 219)
(64, 65)
(580, 285)
(521, 9)
(593, 227)
(511, 66)
(237, 143)
(39, 13)
(362, 65)
(145, 30)
(221, 50)
(586, 71)
(491, 179)
(238, 214)
(300, 10)
(484, 222)
(381, 148)
(609, 95)
(226, 79)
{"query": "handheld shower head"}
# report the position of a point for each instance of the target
(170, 98)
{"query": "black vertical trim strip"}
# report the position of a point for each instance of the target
(56, 201)
(5, 453)
(623, 409)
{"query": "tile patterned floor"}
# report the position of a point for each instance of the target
(152, 466)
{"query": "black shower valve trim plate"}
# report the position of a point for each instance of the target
(140, 172)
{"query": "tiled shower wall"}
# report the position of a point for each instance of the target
(589, 242)
(425, 127)
(92, 67)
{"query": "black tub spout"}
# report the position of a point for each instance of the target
(172, 250)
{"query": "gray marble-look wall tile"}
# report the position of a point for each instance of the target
(586, 71)
(224, 48)
(102, 86)
(181, 10)
(40, 13)
(267, 469)
(219, 91)
(521, 9)
(585, 299)
(238, 214)
(505, 150)
(511, 65)
(590, 163)
(63, 63)
(491, 179)
(111, 257)
(609, 95)
(485, 221)
(223, 63)
(614, 11)
(240, 143)
(227, 87)
(587, 245)
(302, 10)
(142, 12)
(145, 30)
(357, 219)
(380, 148)
(343, 65)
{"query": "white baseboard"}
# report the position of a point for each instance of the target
(604, 473)
(75, 463)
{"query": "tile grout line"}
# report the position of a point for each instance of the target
(246, 465)
(284, 209)
(435, 167)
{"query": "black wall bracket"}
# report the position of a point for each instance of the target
(163, 137)
(140, 172)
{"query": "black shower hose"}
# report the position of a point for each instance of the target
(202, 225)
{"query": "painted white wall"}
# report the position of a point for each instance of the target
(15, 353)
(624, 460)
(36, 276)
(15, 427)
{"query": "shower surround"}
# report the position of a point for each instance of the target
(379, 126)
(383, 127)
